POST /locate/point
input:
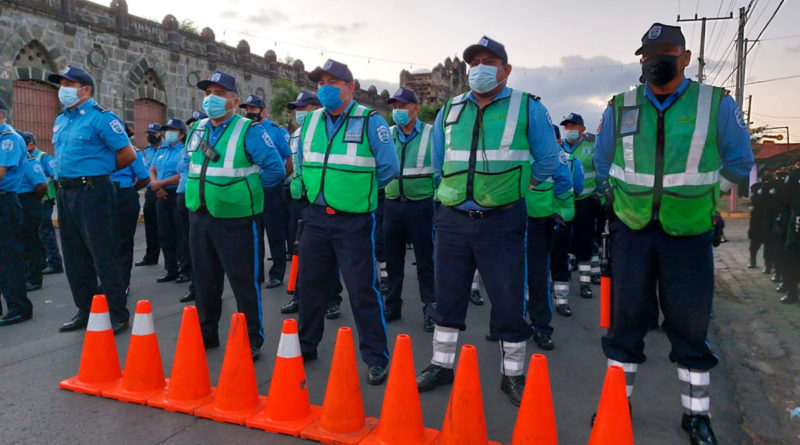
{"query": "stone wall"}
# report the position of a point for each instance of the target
(133, 58)
(444, 81)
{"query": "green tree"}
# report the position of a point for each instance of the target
(187, 25)
(283, 92)
(427, 113)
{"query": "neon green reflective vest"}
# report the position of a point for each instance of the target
(564, 204)
(229, 187)
(487, 154)
(342, 169)
(583, 152)
(415, 181)
(51, 185)
(539, 200)
(677, 183)
(296, 182)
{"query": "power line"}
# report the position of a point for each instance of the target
(747, 50)
(775, 117)
(794, 76)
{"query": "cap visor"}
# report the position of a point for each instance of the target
(55, 78)
(203, 84)
(315, 75)
(568, 121)
(472, 50)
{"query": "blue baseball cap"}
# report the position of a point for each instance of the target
(336, 69)
(660, 34)
(303, 99)
(74, 74)
(28, 137)
(486, 44)
(403, 95)
(558, 132)
(196, 116)
(575, 118)
(253, 101)
(153, 127)
(219, 78)
(174, 124)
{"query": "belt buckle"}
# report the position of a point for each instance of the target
(475, 214)
(330, 211)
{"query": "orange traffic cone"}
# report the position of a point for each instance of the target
(464, 421)
(99, 367)
(143, 376)
(189, 385)
(536, 421)
(288, 410)
(401, 413)
(613, 422)
(237, 390)
(342, 418)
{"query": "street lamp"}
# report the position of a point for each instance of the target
(777, 137)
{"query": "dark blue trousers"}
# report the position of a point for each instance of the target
(275, 216)
(296, 207)
(32, 218)
(47, 235)
(683, 269)
(12, 261)
(540, 306)
(559, 254)
(150, 215)
(167, 212)
(128, 219)
(346, 240)
(87, 221)
(184, 255)
(220, 247)
(408, 222)
(495, 245)
(380, 238)
(584, 227)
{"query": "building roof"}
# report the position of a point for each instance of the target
(767, 150)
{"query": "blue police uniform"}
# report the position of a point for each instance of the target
(184, 256)
(166, 163)
(149, 212)
(87, 138)
(13, 155)
(128, 212)
(31, 219)
(276, 212)
(51, 256)
(330, 237)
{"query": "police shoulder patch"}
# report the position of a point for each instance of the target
(38, 169)
(7, 145)
(384, 134)
(101, 108)
(116, 126)
(563, 157)
(267, 140)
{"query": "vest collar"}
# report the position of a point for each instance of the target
(671, 99)
(404, 138)
(506, 92)
(570, 148)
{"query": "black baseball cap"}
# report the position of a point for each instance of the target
(74, 74)
(196, 116)
(486, 44)
(660, 34)
(336, 69)
(404, 95)
(174, 124)
(303, 99)
(153, 127)
(219, 78)
(28, 137)
(575, 118)
(253, 101)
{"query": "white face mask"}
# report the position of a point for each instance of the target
(571, 135)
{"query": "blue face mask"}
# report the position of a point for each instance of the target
(400, 116)
(300, 117)
(68, 96)
(483, 78)
(329, 97)
(171, 137)
(214, 106)
(571, 135)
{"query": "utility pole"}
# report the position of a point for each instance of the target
(701, 59)
(749, 107)
(741, 50)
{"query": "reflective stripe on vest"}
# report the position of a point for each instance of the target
(350, 158)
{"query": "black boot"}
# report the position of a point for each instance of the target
(699, 428)
(752, 264)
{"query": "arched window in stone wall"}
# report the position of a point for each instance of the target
(35, 101)
(149, 106)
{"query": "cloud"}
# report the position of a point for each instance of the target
(379, 84)
(329, 31)
(793, 49)
(262, 17)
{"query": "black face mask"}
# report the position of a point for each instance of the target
(153, 139)
(255, 117)
(660, 70)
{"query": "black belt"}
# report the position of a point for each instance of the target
(81, 181)
(481, 214)
(6, 192)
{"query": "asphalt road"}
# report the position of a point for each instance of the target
(34, 357)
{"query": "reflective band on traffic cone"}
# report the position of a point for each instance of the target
(464, 421)
(99, 367)
(288, 410)
(401, 414)
(613, 422)
(237, 390)
(536, 421)
(143, 377)
(341, 420)
(189, 385)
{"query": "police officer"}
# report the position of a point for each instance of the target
(483, 141)
(90, 143)
(51, 257)
(408, 207)
(771, 211)
(664, 146)
(127, 182)
(346, 155)
(225, 197)
(164, 180)
(755, 231)
(30, 190)
(150, 212)
(275, 207)
(792, 246)
(580, 145)
(12, 263)
(305, 103)
(184, 253)
(780, 226)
